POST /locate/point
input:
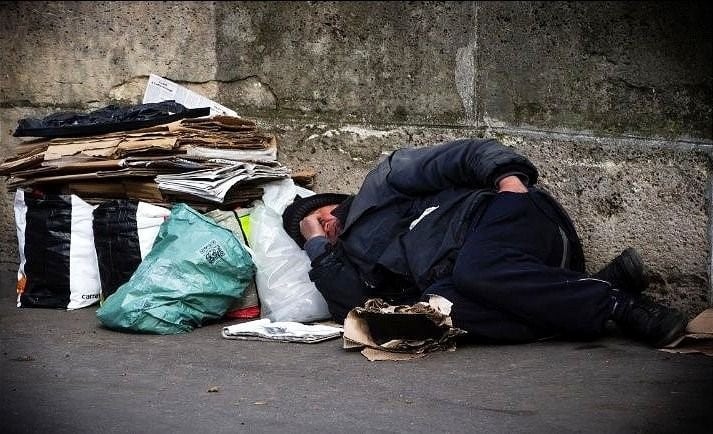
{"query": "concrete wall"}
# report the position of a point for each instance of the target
(613, 101)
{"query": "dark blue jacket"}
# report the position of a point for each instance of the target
(409, 219)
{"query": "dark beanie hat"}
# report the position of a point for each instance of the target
(301, 207)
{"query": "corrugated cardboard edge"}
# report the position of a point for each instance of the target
(378, 355)
(358, 337)
(698, 338)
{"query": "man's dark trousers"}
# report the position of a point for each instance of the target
(510, 282)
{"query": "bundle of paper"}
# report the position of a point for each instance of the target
(202, 152)
(223, 132)
(207, 162)
(220, 132)
(215, 184)
(26, 157)
(283, 331)
(74, 169)
(213, 153)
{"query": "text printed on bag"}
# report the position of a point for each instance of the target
(212, 251)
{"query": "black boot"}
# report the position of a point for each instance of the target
(642, 319)
(626, 272)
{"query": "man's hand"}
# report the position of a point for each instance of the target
(512, 184)
(310, 227)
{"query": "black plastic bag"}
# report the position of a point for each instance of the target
(106, 120)
(124, 232)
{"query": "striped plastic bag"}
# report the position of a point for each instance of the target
(124, 233)
(58, 262)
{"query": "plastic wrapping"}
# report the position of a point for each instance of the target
(195, 271)
(284, 287)
(106, 120)
(238, 222)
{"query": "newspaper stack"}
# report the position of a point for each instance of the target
(214, 185)
(159, 152)
(223, 154)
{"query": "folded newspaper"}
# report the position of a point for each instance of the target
(161, 89)
(214, 184)
(281, 331)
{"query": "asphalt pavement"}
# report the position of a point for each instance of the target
(61, 372)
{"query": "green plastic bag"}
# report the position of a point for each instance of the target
(193, 274)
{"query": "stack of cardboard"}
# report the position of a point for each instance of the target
(155, 153)
(208, 163)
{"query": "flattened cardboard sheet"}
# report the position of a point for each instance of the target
(386, 332)
(698, 337)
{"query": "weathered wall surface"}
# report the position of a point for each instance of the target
(619, 192)
(612, 100)
(639, 68)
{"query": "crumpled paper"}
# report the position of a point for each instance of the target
(403, 332)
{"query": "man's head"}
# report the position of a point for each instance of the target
(322, 209)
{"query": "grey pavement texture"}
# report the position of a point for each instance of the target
(61, 372)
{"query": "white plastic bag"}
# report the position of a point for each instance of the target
(286, 293)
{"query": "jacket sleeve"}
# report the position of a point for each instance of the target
(460, 163)
(339, 282)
